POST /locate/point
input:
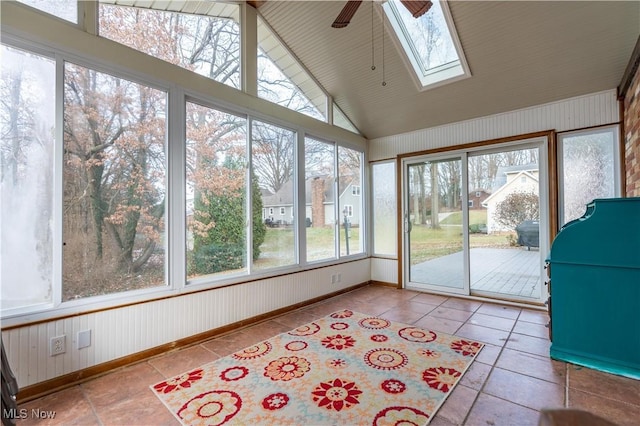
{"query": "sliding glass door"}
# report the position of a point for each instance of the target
(434, 218)
(475, 221)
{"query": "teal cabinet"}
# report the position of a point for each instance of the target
(594, 287)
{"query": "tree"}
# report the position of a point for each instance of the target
(114, 165)
(516, 208)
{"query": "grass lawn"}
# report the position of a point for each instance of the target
(278, 246)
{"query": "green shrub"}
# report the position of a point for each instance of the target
(217, 258)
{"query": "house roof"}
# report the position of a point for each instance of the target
(284, 196)
(509, 186)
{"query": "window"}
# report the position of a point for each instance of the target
(216, 191)
(429, 42)
(341, 120)
(319, 159)
(27, 129)
(271, 211)
(272, 165)
(355, 190)
(114, 184)
(65, 9)
(383, 188)
(282, 80)
(207, 43)
(350, 173)
(478, 194)
(589, 168)
(470, 204)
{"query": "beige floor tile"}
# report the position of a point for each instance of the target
(524, 390)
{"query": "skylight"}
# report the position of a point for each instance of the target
(430, 43)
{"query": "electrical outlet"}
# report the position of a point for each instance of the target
(57, 345)
(84, 339)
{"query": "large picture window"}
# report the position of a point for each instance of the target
(319, 160)
(384, 209)
(350, 205)
(216, 192)
(273, 186)
(27, 126)
(114, 184)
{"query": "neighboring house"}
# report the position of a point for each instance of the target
(509, 180)
(477, 198)
(319, 205)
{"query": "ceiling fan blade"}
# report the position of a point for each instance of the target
(417, 8)
(346, 14)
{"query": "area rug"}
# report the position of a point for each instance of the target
(347, 368)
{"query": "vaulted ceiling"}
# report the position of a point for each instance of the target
(520, 53)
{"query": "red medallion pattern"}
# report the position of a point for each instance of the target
(374, 323)
(286, 368)
(339, 326)
(441, 378)
(385, 359)
(234, 373)
(406, 416)
(342, 314)
(346, 368)
(182, 381)
(256, 351)
(338, 342)
(336, 394)
(275, 401)
(466, 347)
(415, 334)
(393, 386)
(306, 330)
(215, 408)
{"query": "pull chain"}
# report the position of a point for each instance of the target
(373, 54)
(384, 83)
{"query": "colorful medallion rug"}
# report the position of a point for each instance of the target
(344, 369)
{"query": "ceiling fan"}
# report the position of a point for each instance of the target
(417, 8)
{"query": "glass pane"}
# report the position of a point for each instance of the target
(216, 192)
(65, 9)
(384, 209)
(504, 227)
(206, 44)
(114, 184)
(428, 35)
(341, 120)
(588, 170)
(27, 126)
(283, 81)
(319, 177)
(273, 160)
(435, 217)
(350, 204)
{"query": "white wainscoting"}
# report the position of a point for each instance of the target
(384, 270)
(119, 332)
(575, 113)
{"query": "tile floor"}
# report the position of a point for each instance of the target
(509, 382)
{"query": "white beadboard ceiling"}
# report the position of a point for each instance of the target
(521, 53)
